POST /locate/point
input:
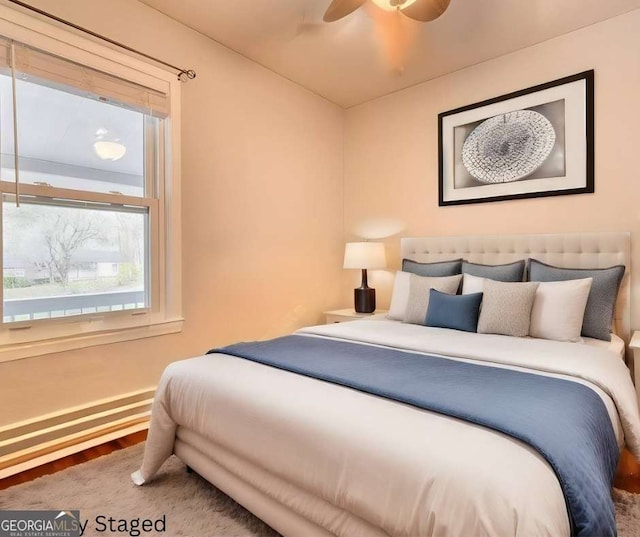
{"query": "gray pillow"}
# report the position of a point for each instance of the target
(443, 268)
(601, 303)
(506, 308)
(510, 272)
(419, 288)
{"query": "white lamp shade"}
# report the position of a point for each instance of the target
(364, 255)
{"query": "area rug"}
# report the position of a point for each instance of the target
(191, 507)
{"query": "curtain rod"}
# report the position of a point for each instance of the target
(183, 74)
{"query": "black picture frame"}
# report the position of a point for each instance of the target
(510, 138)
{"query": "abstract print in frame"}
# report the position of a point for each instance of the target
(529, 143)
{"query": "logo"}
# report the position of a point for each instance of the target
(68, 524)
(69, 514)
(40, 524)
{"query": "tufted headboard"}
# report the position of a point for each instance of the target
(574, 250)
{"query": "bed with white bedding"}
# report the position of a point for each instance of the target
(315, 458)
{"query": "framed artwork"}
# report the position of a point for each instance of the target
(526, 144)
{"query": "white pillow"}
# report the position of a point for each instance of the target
(472, 284)
(558, 309)
(400, 296)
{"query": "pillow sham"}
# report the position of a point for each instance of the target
(399, 296)
(598, 315)
(419, 287)
(509, 272)
(440, 269)
(472, 284)
(506, 308)
(558, 309)
(459, 312)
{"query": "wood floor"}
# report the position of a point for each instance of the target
(76, 458)
(627, 476)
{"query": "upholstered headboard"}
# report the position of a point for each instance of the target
(574, 250)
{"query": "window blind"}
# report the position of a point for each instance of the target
(41, 67)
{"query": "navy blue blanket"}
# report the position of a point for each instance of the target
(566, 422)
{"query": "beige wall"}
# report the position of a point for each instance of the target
(262, 227)
(391, 161)
(263, 190)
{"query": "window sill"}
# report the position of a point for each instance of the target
(19, 351)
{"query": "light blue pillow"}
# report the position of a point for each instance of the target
(459, 312)
(510, 272)
(442, 268)
(598, 315)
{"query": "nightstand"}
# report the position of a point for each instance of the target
(340, 316)
(634, 345)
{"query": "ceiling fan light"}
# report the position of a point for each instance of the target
(391, 5)
(107, 150)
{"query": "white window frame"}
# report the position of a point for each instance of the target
(22, 340)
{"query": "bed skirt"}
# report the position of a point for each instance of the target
(288, 509)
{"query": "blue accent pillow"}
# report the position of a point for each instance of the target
(601, 303)
(510, 272)
(459, 312)
(442, 268)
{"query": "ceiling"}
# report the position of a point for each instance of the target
(343, 61)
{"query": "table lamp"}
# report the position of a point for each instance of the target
(363, 256)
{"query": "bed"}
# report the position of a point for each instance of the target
(315, 458)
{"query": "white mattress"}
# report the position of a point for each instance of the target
(357, 464)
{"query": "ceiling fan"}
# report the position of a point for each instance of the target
(419, 10)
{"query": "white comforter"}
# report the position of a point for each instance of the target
(384, 467)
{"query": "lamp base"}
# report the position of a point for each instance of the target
(364, 299)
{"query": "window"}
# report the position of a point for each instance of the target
(84, 178)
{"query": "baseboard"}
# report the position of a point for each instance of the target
(44, 439)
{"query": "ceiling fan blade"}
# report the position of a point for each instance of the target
(426, 10)
(341, 8)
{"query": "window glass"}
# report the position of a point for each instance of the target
(70, 140)
(62, 260)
